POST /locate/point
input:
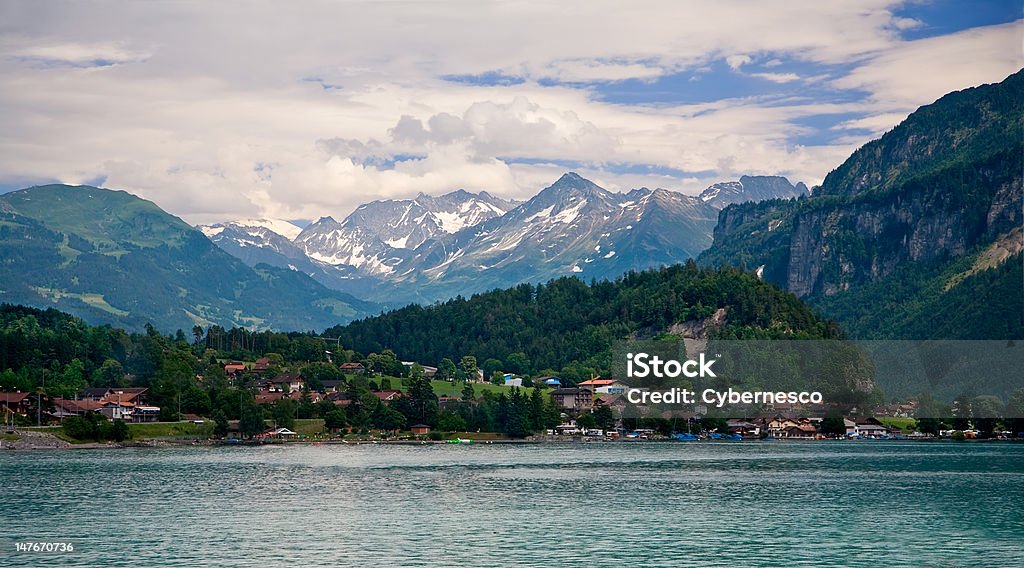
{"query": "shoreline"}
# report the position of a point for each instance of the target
(30, 440)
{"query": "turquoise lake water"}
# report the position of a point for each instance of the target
(600, 504)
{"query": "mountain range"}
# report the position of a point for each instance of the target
(917, 235)
(431, 248)
(111, 257)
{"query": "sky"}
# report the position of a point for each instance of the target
(227, 110)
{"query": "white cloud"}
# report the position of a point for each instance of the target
(918, 72)
(777, 77)
(737, 61)
(184, 104)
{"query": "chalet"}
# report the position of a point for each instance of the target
(339, 398)
(20, 403)
(269, 397)
(577, 399)
(777, 426)
(617, 402)
(234, 368)
(262, 365)
(287, 382)
(387, 395)
(134, 395)
(802, 430)
(95, 393)
(314, 396)
(605, 386)
(419, 429)
(352, 368)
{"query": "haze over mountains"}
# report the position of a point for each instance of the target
(431, 248)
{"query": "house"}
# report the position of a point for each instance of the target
(268, 397)
(352, 368)
(331, 385)
(850, 427)
(234, 368)
(777, 426)
(617, 402)
(145, 413)
(802, 430)
(578, 399)
(605, 386)
(511, 381)
(135, 395)
(314, 396)
(387, 395)
(95, 393)
(419, 429)
(339, 398)
(871, 427)
(262, 365)
(428, 371)
(117, 410)
(287, 382)
(742, 427)
(279, 433)
(20, 403)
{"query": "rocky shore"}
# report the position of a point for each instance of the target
(29, 440)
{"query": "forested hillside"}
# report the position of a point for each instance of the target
(568, 326)
(875, 246)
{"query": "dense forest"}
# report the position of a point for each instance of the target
(568, 326)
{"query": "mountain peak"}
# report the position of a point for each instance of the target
(750, 188)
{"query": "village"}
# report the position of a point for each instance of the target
(593, 409)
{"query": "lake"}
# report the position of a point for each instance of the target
(851, 503)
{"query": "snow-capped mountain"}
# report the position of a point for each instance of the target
(431, 248)
(751, 188)
(378, 237)
(256, 241)
(570, 227)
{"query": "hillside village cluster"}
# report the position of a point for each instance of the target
(590, 397)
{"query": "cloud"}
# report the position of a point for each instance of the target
(737, 61)
(917, 72)
(70, 54)
(334, 104)
(777, 77)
